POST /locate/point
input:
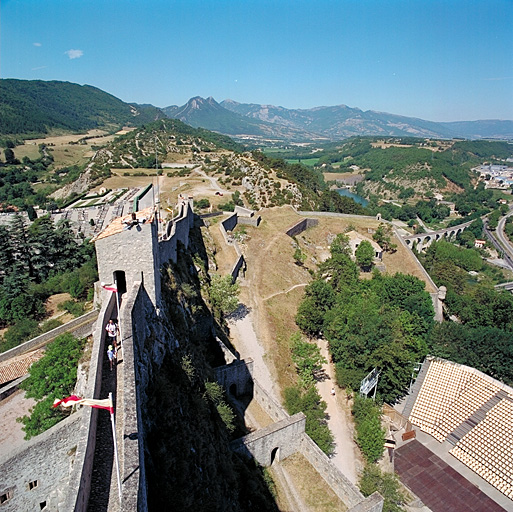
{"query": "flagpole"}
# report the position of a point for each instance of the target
(119, 320)
(115, 446)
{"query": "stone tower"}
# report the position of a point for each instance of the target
(128, 251)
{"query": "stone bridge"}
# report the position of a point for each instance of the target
(424, 240)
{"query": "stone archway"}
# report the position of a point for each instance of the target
(275, 455)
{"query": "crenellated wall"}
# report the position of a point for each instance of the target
(177, 230)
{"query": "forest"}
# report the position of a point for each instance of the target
(386, 322)
(37, 261)
(32, 108)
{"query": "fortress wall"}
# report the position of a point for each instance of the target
(301, 226)
(177, 230)
(236, 377)
(133, 474)
(81, 327)
(230, 222)
(268, 403)
(250, 221)
(342, 487)
(341, 215)
(44, 461)
(79, 484)
(131, 251)
(279, 440)
(243, 212)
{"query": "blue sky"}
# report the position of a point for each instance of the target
(446, 60)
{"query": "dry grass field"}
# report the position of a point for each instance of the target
(274, 283)
(313, 491)
(64, 152)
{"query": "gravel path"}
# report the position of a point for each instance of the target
(339, 422)
(248, 346)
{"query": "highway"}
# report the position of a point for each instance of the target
(500, 240)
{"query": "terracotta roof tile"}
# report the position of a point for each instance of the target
(18, 366)
(117, 225)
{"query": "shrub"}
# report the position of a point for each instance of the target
(387, 484)
(53, 376)
(370, 436)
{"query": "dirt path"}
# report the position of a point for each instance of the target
(339, 422)
(248, 346)
(285, 291)
(15, 406)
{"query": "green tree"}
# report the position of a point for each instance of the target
(307, 358)
(224, 294)
(53, 376)
(340, 245)
(364, 255)
(299, 256)
(387, 484)
(370, 436)
(383, 237)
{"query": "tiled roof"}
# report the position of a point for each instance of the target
(118, 225)
(18, 366)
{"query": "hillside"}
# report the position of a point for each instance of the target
(35, 107)
(402, 168)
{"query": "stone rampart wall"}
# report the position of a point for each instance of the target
(81, 327)
(301, 226)
(133, 474)
(177, 230)
(344, 489)
(236, 377)
(230, 222)
(341, 215)
(250, 221)
(79, 484)
(273, 409)
(243, 212)
(11, 388)
(374, 503)
(274, 442)
(35, 475)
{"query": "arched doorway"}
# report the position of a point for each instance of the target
(120, 280)
(233, 390)
(275, 455)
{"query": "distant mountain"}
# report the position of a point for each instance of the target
(341, 121)
(207, 113)
(486, 129)
(36, 107)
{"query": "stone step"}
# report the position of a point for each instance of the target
(466, 426)
(412, 396)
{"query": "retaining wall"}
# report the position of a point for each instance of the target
(81, 327)
(342, 487)
(301, 226)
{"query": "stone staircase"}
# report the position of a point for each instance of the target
(412, 396)
(464, 428)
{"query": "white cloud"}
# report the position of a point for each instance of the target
(37, 44)
(40, 67)
(74, 54)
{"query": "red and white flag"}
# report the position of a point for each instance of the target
(76, 400)
(110, 287)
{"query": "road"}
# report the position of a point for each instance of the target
(500, 241)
